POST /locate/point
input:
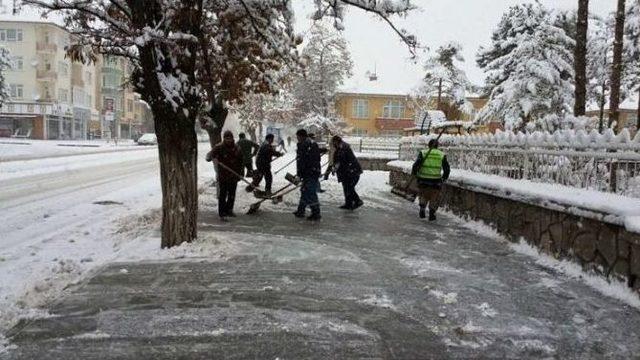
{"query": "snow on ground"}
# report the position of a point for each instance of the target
(25, 149)
(608, 287)
(63, 217)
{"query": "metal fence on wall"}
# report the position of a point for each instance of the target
(612, 169)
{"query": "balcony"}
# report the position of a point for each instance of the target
(46, 75)
(46, 47)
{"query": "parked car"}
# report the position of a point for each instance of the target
(148, 139)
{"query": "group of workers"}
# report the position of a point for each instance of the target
(234, 161)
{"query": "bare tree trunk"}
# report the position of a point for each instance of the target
(580, 59)
(638, 123)
(602, 104)
(616, 73)
(439, 103)
(178, 150)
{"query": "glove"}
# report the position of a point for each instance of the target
(326, 175)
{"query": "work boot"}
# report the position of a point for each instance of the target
(422, 213)
(298, 214)
(249, 188)
(346, 207)
(357, 204)
(314, 217)
(432, 215)
(231, 214)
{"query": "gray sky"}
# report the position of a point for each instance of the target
(469, 22)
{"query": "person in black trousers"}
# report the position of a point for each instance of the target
(348, 169)
(228, 154)
(266, 153)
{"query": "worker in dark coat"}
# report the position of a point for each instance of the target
(431, 169)
(249, 149)
(348, 170)
(266, 153)
(308, 171)
(227, 158)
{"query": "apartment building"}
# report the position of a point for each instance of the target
(54, 98)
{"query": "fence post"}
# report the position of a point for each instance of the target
(613, 176)
(399, 151)
(360, 145)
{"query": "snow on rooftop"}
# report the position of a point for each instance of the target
(29, 14)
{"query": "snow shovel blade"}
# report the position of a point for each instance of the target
(254, 208)
(291, 178)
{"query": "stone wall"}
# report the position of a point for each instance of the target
(373, 164)
(606, 248)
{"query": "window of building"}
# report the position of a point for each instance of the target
(359, 132)
(16, 90)
(47, 66)
(130, 105)
(63, 95)
(31, 108)
(360, 108)
(87, 77)
(17, 63)
(10, 34)
(393, 109)
(63, 68)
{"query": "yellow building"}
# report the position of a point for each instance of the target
(375, 114)
(392, 115)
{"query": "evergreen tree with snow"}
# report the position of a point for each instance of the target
(529, 68)
(445, 80)
(327, 65)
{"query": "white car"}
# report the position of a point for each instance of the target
(148, 139)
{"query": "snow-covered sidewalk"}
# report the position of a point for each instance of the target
(379, 277)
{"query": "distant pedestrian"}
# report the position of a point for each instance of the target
(431, 169)
(249, 149)
(289, 141)
(265, 156)
(226, 153)
(308, 171)
(348, 170)
(281, 145)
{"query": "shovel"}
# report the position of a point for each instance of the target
(235, 173)
(276, 197)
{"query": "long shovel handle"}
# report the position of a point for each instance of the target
(286, 166)
(234, 173)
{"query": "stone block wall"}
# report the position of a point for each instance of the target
(373, 164)
(605, 248)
